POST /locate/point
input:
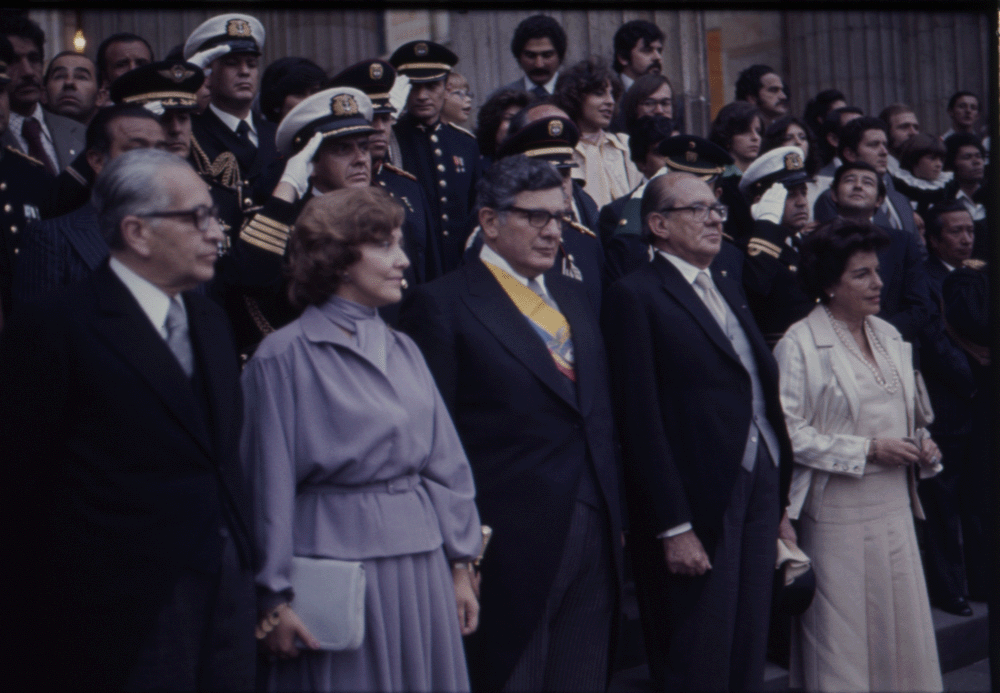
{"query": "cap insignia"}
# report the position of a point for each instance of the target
(420, 50)
(793, 161)
(555, 128)
(375, 71)
(343, 105)
(238, 27)
(177, 73)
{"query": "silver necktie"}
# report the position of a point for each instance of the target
(178, 338)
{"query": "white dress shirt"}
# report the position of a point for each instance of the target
(153, 301)
(487, 254)
(232, 122)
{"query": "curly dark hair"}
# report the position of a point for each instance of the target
(585, 77)
(629, 34)
(748, 83)
(535, 27)
(326, 236)
(733, 119)
(774, 137)
(956, 142)
(818, 106)
(825, 252)
(285, 76)
(637, 93)
(491, 116)
(918, 146)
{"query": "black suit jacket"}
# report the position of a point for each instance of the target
(683, 400)
(124, 476)
(527, 435)
(215, 137)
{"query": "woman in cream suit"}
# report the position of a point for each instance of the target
(849, 394)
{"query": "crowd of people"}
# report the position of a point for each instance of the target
(305, 393)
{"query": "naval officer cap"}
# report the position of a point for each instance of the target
(241, 32)
(423, 61)
(374, 77)
(695, 155)
(549, 139)
(784, 165)
(171, 83)
(336, 112)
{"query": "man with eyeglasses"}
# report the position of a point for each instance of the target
(128, 510)
(517, 355)
(707, 459)
(66, 249)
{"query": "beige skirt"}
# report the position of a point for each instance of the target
(869, 627)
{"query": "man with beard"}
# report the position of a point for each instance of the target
(638, 51)
(775, 188)
(69, 248)
(376, 78)
(764, 88)
(52, 139)
(539, 46)
(71, 85)
(444, 158)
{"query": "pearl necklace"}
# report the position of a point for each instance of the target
(852, 346)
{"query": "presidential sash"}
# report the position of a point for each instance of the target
(547, 322)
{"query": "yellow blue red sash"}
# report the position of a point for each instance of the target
(548, 322)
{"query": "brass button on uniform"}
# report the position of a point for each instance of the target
(13, 229)
(437, 152)
(247, 202)
(444, 217)
(434, 138)
(445, 232)
(443, 199)
(441, 168)
(443, 184)
(3, 186)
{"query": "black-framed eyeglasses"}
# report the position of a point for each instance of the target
(539, 218)
(202, 215)
(700, 212)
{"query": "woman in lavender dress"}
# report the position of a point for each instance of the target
(352, 455)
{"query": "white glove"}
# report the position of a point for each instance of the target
(205, 58)
(771, 206)
(300, 167)
(155, 107)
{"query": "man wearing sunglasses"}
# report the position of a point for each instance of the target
(702, 437)
(128, 510)
(517, 355)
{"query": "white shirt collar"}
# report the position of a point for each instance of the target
(17, 123)
(487, 254)
(550, 86)
(231, 121)
(153, 301)
(627, 81)
(689, 271)
(946, 265)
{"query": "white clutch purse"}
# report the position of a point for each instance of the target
(330, 600)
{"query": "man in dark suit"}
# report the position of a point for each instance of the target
(867, 139)
(52, 139)
(232, 144)
(519, 361)
(60, 251)
(706, 454)
(126, 507)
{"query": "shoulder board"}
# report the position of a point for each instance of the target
(461, 129)
(581, 228)
(399, 172)
(974, 264)
(756, 246)
(21, 154)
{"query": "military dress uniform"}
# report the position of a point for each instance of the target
(444, 157)
(24, 185)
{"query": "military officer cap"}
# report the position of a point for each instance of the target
(784, 164)
(172, 83)
(549, 139)
(245, 34)
(423, 61)
(695, 155)
(373, 77)
(336, 112)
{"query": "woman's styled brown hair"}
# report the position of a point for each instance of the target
(326, 236)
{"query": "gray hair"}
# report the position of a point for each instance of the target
(133, 183)
(505, 178)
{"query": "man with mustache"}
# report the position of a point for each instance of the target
(764, 88)
(71, 86)
(539, 47)
(638, 51)
(52, 139)
(966, 156)
(444, 158)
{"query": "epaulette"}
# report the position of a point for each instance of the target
(399, 172)
(581, 228)
(974, 264)
(756, 246)
(22, 154)
(461, 129)
(266, 233)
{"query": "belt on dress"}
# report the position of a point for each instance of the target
(399, 484)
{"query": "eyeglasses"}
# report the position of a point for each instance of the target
(202, 215)
(539, 218)
(463, 94)
(700, 212)
(664, 104)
